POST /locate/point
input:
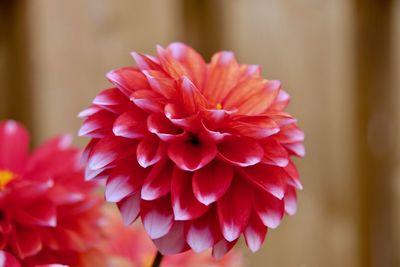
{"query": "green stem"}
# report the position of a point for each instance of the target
(157, 260)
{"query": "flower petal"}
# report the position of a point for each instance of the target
(157, 217)
(14, 141)
(255, 126)
(25, 242)
(234, 220)
(293, 175)
(241, 151)
(173, 242)
(146, 62)
(290, 134)
(269, 208)
(203, 232)
(192, 99)
(274, 153)
(128, 79)
(191, 157)
(223, 74)
(184, 204)
(222, 247)
(255, 233)
(269, 178)
(112, 100)
(190, 63)
(130, 208)
(42, 212)
(212, 181)
(108, 149)
(131, 124)
(281, 101)
(149, 151)
(148, 100)
(158, 182)
(260, 100)
(98, 125)
(290, 200)
(158, 124)
(124, 180)
(296, 149)
(162, 83)
(8, 260)
(243, 91)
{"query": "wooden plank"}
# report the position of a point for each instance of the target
(375, 112)
(15, 87)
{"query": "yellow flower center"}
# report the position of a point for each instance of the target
(219, 106)
(5, 178)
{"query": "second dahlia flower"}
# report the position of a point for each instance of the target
(48, 213)
(200, 152)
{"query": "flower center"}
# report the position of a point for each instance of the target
(5, 178)
(194, 139)
(218, 106)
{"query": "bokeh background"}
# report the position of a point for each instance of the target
(339, 59)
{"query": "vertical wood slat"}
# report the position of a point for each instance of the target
(15, 100)
(375, 117)
(202, 25)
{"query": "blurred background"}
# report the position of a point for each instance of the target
(339, 60)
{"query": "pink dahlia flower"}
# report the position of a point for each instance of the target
(48, 213)
(200, 152)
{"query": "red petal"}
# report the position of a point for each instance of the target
(113, 100)
(14, 141)
(145, 62)
(124, 180)
(290, 200)
(269, 208)
(234, 209)
(130, 208)
(255, 233)
(274, 153)
(203, 232)
(223, 74)
(158, 124)
(162, 83)
(259, 101)
(107, 150)
(190, 63)
(242, 92)
(282, 118)
(98, 125)
(128, 79)
(158, 182)
(255, 126)
(178, 116)
(293, 175)
(8, 260)
(281, 102)
(157, 217)
(241, 151)
(41, 212)
(149, 151)
(221, 248)
(89, 111)
(269, 178)
(209, 190)
(185, 205)
(296, 149)
(249, 71)
(148, 100)
(131, 124)
(290, 134)
(25, 242)
(191, 157)
(173, 242)
(192, 99)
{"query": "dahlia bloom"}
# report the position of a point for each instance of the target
(48, 213)
(200, 152)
